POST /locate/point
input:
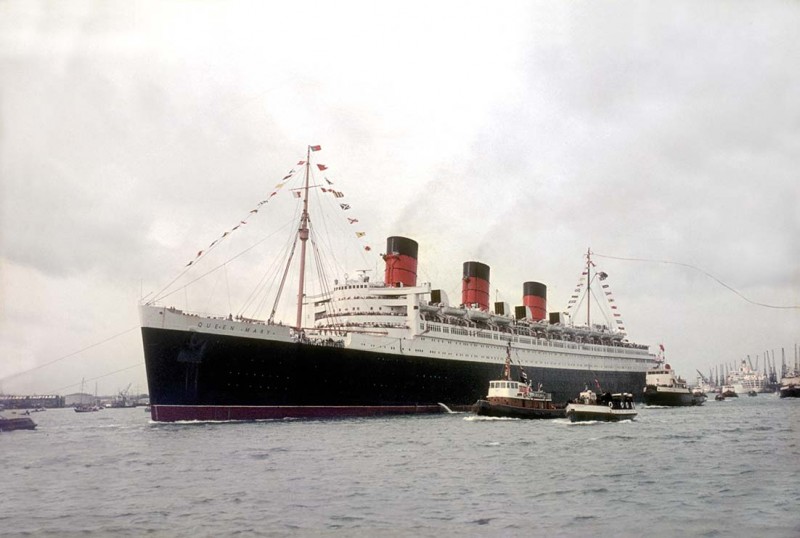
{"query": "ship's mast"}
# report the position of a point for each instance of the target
(507, 367)
(588, 286)
(303, 235)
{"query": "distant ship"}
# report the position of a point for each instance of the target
(745, 379)
(790, 380)
(704, 384)
(364, 348)
(87, 407)
(663, 387)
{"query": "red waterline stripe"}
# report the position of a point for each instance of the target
(172, 413)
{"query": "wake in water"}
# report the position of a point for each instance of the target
(476, 418)
(591, 422)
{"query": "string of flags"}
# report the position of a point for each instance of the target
(297, 193)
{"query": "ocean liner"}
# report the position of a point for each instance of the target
(363, 348)
(745, 379)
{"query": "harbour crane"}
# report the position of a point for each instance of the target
(705, 380)
(122, 397)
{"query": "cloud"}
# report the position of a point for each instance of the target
(518, 135)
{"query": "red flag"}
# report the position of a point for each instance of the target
(316, 148)
(322, 167)
(301, 162)
(367, 248)
(661, 346)
(199, 252)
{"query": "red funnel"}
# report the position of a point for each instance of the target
(475, 285)
(534, 296)
(401, 262)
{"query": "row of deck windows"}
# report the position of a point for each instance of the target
(503, 385)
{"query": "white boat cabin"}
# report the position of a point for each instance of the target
(587, 397)
(515, 389)
(664, 377)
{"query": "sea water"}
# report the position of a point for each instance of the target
(728, 468)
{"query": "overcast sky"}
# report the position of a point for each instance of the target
(518, 134)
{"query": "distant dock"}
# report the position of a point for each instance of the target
(48, 401)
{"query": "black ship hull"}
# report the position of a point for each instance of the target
(201, 376)
(589, 413)
(792, 391)
(671, 398)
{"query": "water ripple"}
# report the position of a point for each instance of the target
(716, 470)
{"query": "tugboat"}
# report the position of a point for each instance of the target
(607, 407)
(729, 392)
(790, 385)
(663, 387)
(516, 399)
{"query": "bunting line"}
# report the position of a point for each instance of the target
(276, 190)
(244, 220)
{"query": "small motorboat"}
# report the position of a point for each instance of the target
(606, 407)
(87, 408)
(16, 423)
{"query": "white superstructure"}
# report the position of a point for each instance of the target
(373, 316)
(746, 379)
